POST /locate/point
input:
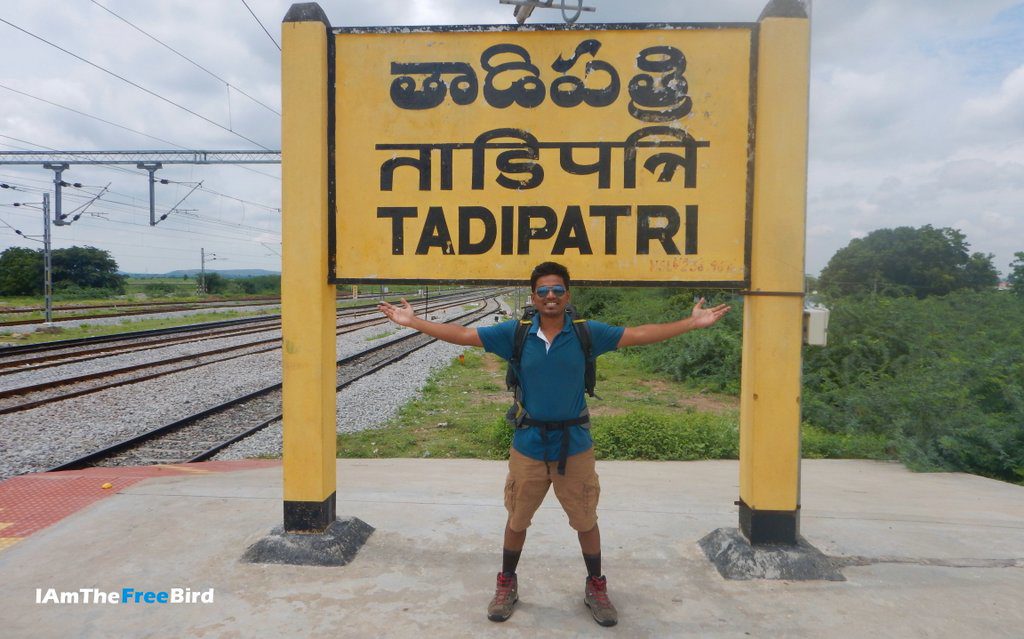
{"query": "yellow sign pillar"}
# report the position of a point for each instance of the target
(772, 315)
(307, 300)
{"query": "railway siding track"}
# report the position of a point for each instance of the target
(10, 355)
(27, 397)
(67, 313)
(148, 311)
(200, 436)
(37, 362)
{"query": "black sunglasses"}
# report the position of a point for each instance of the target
(542, 291)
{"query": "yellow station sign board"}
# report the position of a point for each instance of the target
(472, 154)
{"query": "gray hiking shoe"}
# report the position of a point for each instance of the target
(506, 594)
(596, 597)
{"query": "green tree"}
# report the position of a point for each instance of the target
(908, 261)
(215, 283)
(87, 267)
(980, 273)
(1016, 277)
(21, 271)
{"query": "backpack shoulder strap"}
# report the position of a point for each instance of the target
(518, 343)
(582, 330)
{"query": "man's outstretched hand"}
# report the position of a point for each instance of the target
(704, 317)
(402, 315)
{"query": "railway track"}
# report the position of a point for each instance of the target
(192, 306)
(82, 311)
(8, 310)
(14, 356)
(37, 356)
(31, 396)
(202, 435)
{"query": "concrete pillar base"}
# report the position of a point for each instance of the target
(735, 558)
(335, 546)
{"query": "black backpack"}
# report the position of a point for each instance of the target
(519, 342)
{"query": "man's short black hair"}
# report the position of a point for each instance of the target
(548, 268)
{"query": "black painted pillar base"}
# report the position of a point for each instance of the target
(309, 516)
(769, 526)
(336, 545)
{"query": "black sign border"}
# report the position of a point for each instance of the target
(332, 243)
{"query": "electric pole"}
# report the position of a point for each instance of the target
(202, 270)
(47, 264)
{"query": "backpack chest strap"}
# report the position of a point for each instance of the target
(575, 421)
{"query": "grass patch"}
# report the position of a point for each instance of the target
(380, 335)
(53, 333)
(642, 416)
(456, 416)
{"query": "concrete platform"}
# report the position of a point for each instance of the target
(927, 555)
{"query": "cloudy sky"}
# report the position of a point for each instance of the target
(917, 115)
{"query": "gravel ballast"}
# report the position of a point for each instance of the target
(44, 437)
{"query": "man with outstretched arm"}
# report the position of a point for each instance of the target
(551, 377)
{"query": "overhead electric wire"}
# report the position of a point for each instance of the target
(130, 208)
(13, 186)
(59, 240)
(261, 26)
(135, 84)
(182, 55)
(24, 177)
(4, 222)
(230, 197)
(165, 229)
(14, 146)
(146, 209)
(94, 117)
(119, 207)
(136, 208)
(238, 199)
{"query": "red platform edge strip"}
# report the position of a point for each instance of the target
(30, 503)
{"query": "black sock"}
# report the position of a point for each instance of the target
(593, 564)
(509, 560)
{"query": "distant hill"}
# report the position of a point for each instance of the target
(228, 273)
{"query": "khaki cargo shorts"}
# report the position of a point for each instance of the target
(527, 484)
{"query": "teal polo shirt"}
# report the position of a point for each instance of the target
(552, 380)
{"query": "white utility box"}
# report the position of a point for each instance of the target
(815, 326)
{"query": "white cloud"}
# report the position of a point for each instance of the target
(1003, 108)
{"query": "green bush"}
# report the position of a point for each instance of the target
(159, 289)
(817, 443)
(260, 285)
(940, 380)
(706, 359)
(66, 290)
(682, 436)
